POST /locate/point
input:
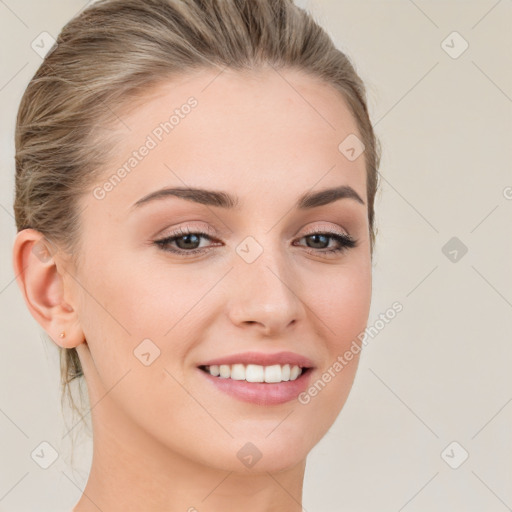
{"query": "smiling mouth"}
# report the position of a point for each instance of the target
(256, 373)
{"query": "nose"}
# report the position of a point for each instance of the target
(265, 294)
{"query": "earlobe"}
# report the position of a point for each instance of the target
(42, 286)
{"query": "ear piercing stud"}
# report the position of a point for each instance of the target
(62, 334)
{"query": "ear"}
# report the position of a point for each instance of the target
(40, 279)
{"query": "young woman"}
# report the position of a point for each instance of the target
(194, 202)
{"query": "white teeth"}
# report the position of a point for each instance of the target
(225, 371)
(294, 372)
(273, 373)
(238, 372)
(255, 372)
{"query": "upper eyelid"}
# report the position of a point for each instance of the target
(212, 232)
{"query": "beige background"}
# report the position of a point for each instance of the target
(440, 371)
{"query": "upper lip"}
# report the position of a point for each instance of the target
(263, 359)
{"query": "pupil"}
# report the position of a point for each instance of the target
(316, 237)
(187, 239)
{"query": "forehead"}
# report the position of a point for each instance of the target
(246, 130)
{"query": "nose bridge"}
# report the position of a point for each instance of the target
(265, 289)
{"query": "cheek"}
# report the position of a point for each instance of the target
(121, 310)
(114, 313)
(343, 305)
(342, 300)
(127, 301)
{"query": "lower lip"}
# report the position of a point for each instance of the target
(262, 393)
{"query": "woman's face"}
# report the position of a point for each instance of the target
(257, 281)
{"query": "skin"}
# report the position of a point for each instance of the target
(164, 437)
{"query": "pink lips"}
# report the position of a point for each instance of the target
(262, 393)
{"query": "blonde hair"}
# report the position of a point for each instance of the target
(110, 55)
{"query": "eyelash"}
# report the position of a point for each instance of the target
(346, 242)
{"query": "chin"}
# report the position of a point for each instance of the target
(267, 453)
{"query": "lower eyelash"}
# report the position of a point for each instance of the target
(345, 242)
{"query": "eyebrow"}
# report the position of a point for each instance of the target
(225, 200)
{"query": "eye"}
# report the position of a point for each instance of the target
(186, 242)
(323, 238)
